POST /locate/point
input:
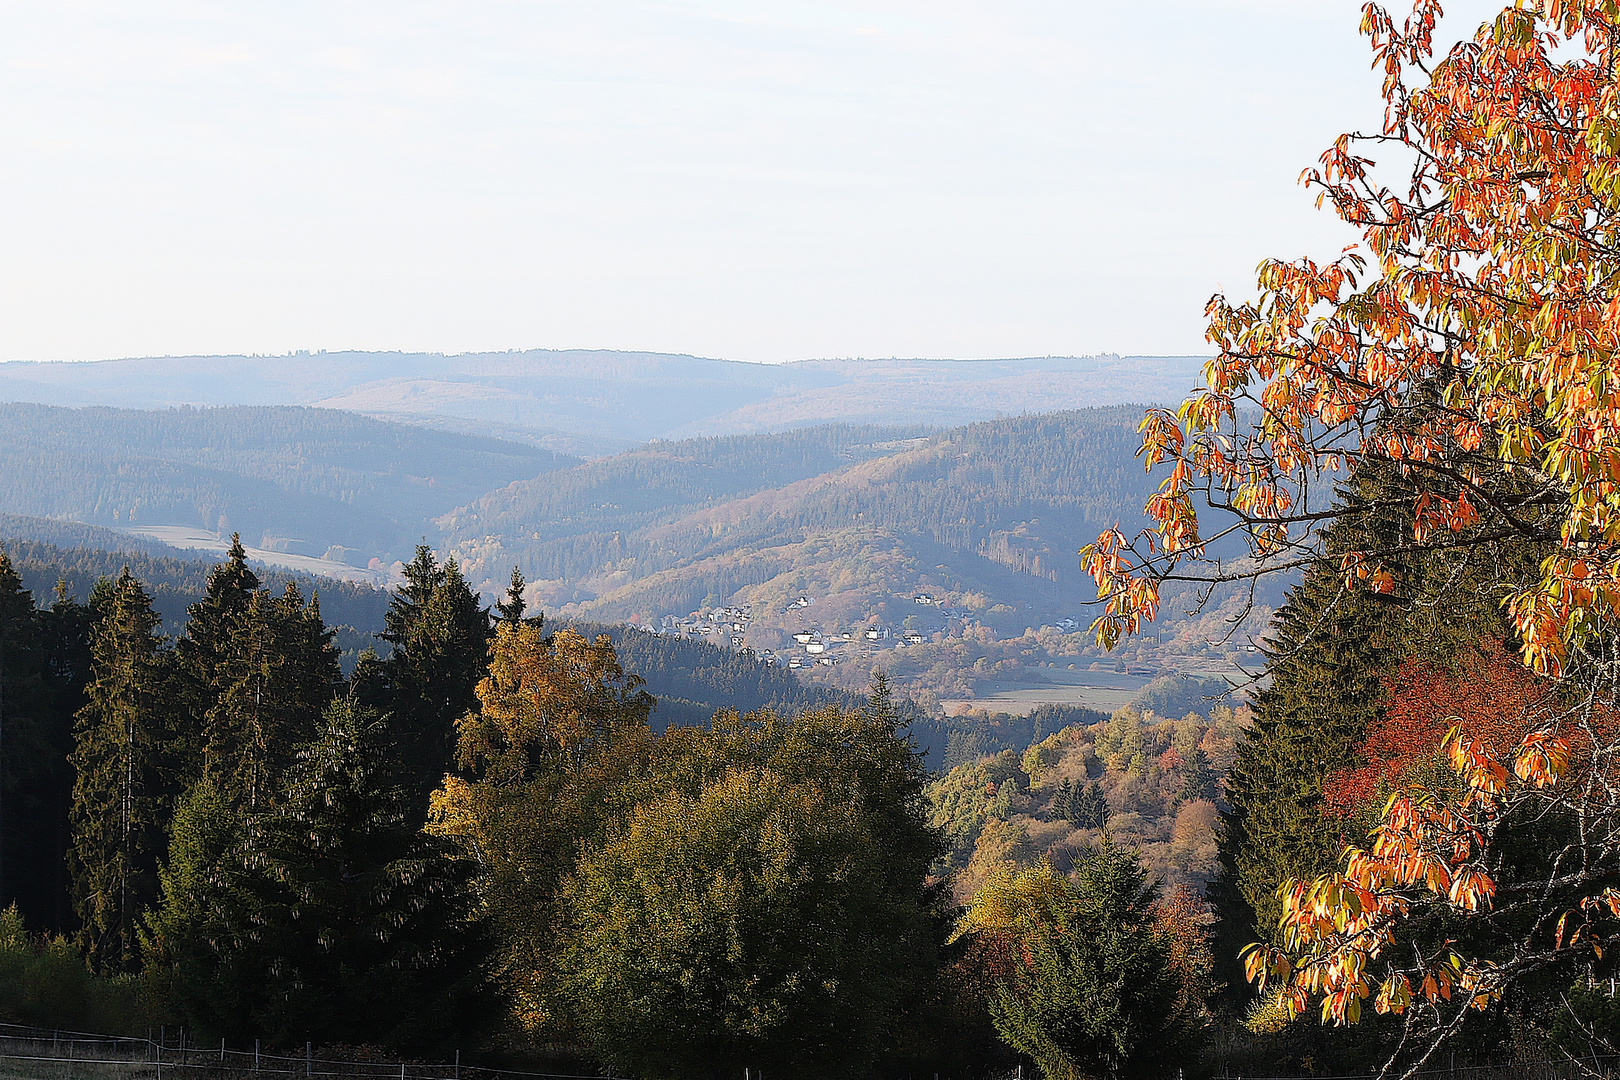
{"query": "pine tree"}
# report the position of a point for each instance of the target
(275, 670)
(117, 812)
(329, 916)
(511, 608)
(35, 737)
(440, 639)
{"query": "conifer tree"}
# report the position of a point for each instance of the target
(35, 737)
(328, 916)
(1330, 651)
(118, 816)
(1198, 778)
(39, 853)
(275, 670)
(1090, 807)
(210, 624)
(511, 607)
(440, 639)
(377, 916)
(1097, 993)
(1062, 808)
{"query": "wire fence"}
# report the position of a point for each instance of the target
(41, 1054)
(1607, 1068)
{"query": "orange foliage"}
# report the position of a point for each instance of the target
(1430, 849)
(1487, 694)
(1486, 276)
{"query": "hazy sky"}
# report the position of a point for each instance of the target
(761, 180)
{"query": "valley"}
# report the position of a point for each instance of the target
(943, 556)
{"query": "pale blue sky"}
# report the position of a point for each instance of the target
(757, 181)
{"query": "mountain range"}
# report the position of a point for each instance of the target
(594, 402)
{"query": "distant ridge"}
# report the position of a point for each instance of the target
(593, 402)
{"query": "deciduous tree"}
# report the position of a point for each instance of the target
(1445, 390)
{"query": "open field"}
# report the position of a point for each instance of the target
(193, 538)
(1104, 691)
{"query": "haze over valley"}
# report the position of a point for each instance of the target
(917, 516)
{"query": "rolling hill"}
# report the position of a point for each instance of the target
(963, 541)
(595, 402)
(993, 510)
(960, 541)
(311, 482)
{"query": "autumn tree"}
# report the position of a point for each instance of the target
(1446, 388)
(559, 732)
(765, 905)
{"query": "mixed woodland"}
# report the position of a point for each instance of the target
(1400, 846)
(477, 838)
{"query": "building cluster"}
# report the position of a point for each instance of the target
(720, 625)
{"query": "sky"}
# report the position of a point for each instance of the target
(768, 180)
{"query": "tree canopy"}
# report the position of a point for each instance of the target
(1428, 423)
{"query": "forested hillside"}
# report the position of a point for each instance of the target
(311, 481)
(693, 680)
(938, 557)
(657, 530)
(175, 583)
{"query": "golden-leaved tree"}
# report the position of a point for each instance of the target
(560, 733)
(1458, 370)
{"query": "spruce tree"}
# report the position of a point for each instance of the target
(1329, 653)
(43, 886)
(511, 607)
(118, 815)
(36, 734)
(1198, 778)
(1090, 807)
(211, 625)
(1063, 802)
(275, 670)
(440, 639)
(330, 916)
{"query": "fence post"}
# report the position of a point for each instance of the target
(255, 1055)
(458, 1065)
(309, 1058)
(222, 1051)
